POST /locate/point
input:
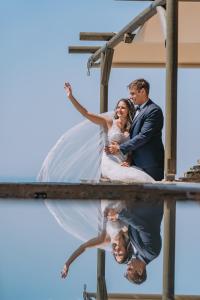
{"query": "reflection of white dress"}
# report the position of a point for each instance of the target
(113, 228)
(77, 156)
(111, 164)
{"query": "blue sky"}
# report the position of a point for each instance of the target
(34, 114)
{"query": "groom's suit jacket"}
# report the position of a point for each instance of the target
(145, 142)
(143, 223)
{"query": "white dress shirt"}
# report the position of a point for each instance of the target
(139, 108)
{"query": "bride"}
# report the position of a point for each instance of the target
(116, 129)
(100, 164)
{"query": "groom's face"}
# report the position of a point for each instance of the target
(137, 96)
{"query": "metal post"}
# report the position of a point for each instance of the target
(169, 250)
(106, 62)
(103, 87)
(170, 147)
(171, 89)
(101, 283)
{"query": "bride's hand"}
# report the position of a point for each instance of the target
(64, 272)
(125, 164)
(68, 89)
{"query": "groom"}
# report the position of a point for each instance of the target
(145, 144)
(143, 222)
(147, 152)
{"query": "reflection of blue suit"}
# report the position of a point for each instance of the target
(145, 142)
(143, 221)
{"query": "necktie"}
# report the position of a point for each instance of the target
(137, 111)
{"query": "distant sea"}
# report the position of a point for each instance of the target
(17, 179)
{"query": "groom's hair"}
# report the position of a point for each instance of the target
(140, 83)
(136, 278)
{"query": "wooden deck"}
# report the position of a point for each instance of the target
(159, 191)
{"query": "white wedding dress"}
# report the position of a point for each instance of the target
(79, 156)
(111, 164)
(113, 228)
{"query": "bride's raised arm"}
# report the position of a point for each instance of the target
(104, 121)
(102, 239)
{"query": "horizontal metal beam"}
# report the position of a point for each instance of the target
(115, 191)
(149, 65)
(132, 26)
(117, 296)
(96, 36)
(83, 49)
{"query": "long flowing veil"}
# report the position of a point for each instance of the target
(75, 158)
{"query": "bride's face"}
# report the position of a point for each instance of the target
(119, 249)
(122, 110)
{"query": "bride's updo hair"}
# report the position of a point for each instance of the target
(131, 112)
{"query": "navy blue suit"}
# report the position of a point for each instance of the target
(143, 221)
(145, 142)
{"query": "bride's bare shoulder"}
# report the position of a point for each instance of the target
(109, 122)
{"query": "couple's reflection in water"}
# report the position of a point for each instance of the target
(133, 231)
